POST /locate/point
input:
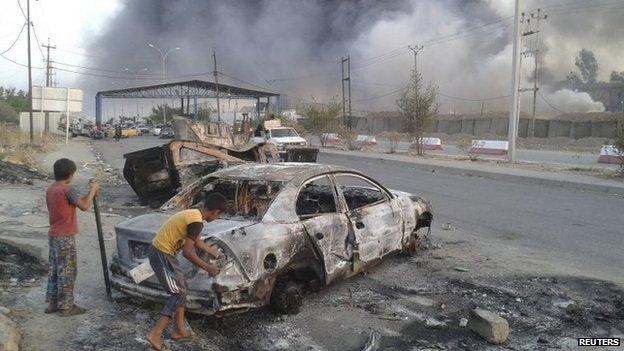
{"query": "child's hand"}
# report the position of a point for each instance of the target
(212, 270)
(94, 186)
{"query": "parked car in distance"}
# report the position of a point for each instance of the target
(144, 129)
(167, 133)
(287, 228)
(156, 129)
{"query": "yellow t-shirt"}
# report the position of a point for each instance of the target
(170, 237)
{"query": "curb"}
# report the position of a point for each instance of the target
(523, 179)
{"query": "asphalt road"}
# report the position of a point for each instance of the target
(571, 227)
(583, 229)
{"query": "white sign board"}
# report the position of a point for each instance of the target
(39, 122)
(430, 143)
(56, 99)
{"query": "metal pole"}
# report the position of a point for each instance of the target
(163, 80)
(216, 77)
(342, 79)
(67, 119)
(515, 85)
(349, 86)
(100, 234)
(30, 112)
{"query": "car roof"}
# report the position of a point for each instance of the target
(280, 172)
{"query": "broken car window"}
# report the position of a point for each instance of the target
(358, 192)
(316, 197)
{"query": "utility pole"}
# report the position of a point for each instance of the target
(342, 78)
(416, 49)
(537, 16)
(346, 105)
(216, 77)
(515, 85)
(30, 112)
(349, 85)
(48, 63)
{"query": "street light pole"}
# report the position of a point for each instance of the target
(136, 76)
(164, 58)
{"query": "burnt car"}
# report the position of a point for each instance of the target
(288, 228)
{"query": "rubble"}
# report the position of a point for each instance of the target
(18, 174)
(491, 326)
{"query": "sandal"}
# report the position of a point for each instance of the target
(73, 311)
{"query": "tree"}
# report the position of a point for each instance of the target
(616, 76)
(157, 113)
(587, 65)
(7, 113)
(417, 106)
(321, 119)
(573, 80)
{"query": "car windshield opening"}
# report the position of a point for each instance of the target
(283, 132)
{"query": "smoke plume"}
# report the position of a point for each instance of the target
(295, 46)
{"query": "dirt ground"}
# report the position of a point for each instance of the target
(412, 303)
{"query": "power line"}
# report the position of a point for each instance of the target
(15, 41)
(549, 104)
(37, 41)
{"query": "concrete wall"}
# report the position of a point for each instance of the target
(598, 127)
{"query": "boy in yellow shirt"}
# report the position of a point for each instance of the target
(181, 232)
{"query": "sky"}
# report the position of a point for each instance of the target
(294, 46)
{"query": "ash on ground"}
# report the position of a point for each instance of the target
(19, 174)
(413, 303)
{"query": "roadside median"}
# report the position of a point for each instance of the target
(522, 172)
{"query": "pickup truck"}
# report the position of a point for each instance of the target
(290, 145)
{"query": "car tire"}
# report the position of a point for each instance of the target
(286, 296)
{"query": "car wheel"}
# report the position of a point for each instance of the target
(286, 296)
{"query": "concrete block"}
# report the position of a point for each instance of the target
(455, 126)
(559, 129)
(523, 127)
(580, 130)
(499, 126)
(443, 126)
(482, 126)
(467, 126)
(490, 326)
(541, 128)
(605, 129)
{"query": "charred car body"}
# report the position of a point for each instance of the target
(288, 228)
(158, 173)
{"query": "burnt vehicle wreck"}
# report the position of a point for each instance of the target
(289, 228)
(156, 174)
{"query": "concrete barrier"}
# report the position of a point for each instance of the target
(366, 139)
(610, 154)
(489, 147)
(429, 144)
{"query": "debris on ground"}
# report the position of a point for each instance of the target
(17, 266)
(10, 337)
(372, 344)
(18, 174)
(490, 326)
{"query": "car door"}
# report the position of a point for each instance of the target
(373, 216)
(327, 227)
